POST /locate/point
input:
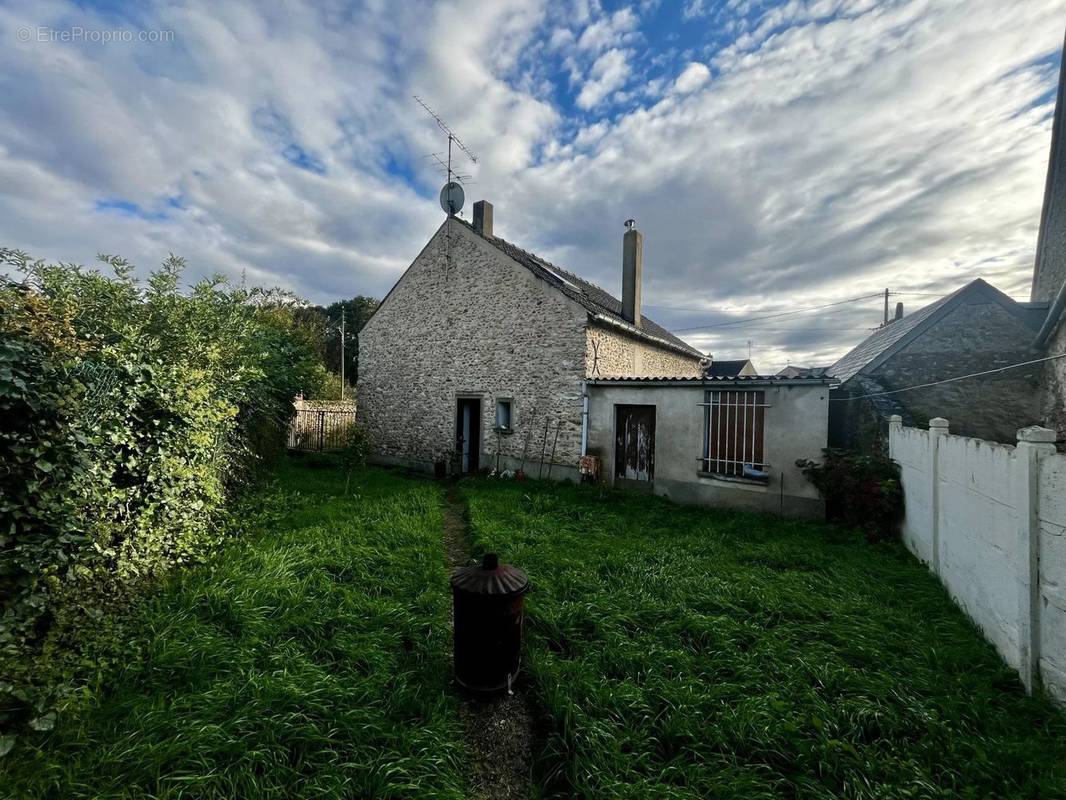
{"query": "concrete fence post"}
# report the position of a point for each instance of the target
(1034, 443)
(938, 426)
(895, 425)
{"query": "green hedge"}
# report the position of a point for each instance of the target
(128, 414)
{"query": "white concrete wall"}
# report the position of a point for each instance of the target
(978, 533)
(990, 520)
(911, 448)
(1051, 514)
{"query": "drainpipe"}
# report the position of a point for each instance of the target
(1052, 320)
(584, 418)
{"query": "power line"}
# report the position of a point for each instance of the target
(952, 380)
(780, 314)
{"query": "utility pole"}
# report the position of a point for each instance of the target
(886, 306)
(342, 348)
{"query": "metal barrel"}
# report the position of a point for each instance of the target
(488, 603)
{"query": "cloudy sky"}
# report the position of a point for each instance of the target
(776, 155)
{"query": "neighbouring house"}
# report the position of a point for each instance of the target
(478, 356)
(803, 372)
(730, 441)
(741, 367)
(974, 329)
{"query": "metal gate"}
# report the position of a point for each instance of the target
(319, 430)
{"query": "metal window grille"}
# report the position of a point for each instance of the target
(733, 428)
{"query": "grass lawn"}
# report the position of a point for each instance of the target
(310, 660)
(671, 652)
(684, 653)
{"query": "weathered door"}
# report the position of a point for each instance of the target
(634, 452)
(468, 433)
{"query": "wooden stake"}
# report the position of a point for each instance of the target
(543, 449)
(554, 442)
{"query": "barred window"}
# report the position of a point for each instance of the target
(733, 425)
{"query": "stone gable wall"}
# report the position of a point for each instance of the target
(611, 354)
(972, 338)
(1054, 397)
(481, 325)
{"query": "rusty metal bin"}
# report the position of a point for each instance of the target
(488, 604)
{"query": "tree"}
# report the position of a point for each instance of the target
(356, 313)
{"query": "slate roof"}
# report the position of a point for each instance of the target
(803, 372)
(594, 299)
(879, 345)
(726, 368)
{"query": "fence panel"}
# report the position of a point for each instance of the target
(990, 520)
(320, 430)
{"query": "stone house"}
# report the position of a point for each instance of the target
(1049, 273)
(479, 355)
(974, 329)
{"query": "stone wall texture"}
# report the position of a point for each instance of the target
(1054, 397)
(471, 322)
(972, 338)
(610, 353)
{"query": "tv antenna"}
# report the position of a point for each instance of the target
(452, 195)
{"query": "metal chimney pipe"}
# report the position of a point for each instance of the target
(632, 268)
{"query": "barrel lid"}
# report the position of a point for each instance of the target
(491, 577)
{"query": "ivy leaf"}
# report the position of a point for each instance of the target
(6, 743)
(44, 466)
(45, 722)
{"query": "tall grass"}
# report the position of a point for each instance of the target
(308, 660)
(685, 653)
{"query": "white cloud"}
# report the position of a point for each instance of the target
(609, 31)
(608, 73)
(844, 145)
(692, 77)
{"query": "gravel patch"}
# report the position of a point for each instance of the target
(499, 730)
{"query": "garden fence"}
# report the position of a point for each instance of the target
(990, 520)
(320, 429)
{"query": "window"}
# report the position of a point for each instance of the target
(733, 426)
(503, 414)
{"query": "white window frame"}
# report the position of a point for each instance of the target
(509, 402)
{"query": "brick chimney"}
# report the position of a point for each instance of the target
(483, 218)
(632, 267)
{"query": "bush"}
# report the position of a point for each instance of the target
(861, 490)
(129, 414)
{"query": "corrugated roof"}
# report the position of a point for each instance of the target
(708, 379)
(878, 345)
(589, 295)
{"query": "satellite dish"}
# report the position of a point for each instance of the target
(451, 197)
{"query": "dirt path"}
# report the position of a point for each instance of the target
(499, 730)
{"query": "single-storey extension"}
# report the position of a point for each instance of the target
(712, 441)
